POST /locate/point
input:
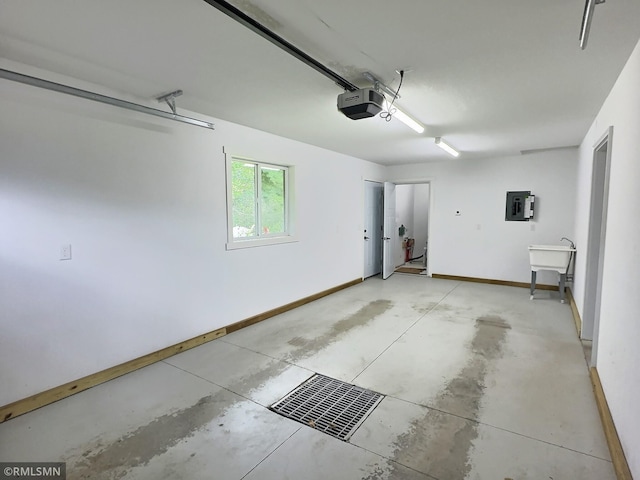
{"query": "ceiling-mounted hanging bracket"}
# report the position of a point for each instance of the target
(586, 21)
(170, 99)
(379, 86)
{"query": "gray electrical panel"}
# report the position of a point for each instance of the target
(519, 206)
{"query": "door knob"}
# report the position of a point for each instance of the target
(366, 238)
(386, 238)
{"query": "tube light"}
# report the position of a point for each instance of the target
(403, 117)
(447, 148)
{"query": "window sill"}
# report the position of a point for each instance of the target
(259, 242)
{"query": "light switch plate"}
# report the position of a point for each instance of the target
(65, 252)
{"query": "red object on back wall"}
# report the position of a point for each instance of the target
(407, 244)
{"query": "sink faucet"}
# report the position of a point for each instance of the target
(570, 241)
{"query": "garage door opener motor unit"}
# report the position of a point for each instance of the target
(363, 103)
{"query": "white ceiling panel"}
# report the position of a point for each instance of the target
(492, 78)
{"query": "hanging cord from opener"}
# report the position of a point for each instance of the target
(388, 115)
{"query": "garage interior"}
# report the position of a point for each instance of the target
(117, 251)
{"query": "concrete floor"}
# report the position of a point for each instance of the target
(480, 382)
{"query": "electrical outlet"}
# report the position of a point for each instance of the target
(65, 252)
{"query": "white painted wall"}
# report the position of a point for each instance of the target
(479, 242)
(618, 352)
(420, 217)
(142, 201)
(404, 216)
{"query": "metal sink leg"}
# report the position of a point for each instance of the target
(563, 277)
(533, 284)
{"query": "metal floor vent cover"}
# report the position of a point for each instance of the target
(329, 405)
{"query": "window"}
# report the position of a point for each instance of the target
(258, 196)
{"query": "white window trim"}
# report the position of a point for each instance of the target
(263, 240)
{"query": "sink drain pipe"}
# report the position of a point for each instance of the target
(569, 276)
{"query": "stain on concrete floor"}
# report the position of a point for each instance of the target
(298, 342)
(424, 309)
(247, 383)
(138, 447)
(439, 442)
(395, 472)
(308, 347)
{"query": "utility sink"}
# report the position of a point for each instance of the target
(550, 257)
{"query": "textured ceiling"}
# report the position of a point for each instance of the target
(492, 78)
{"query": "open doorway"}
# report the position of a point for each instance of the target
(396, 228)
(412, 221)
(596, 241)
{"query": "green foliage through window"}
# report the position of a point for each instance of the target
(258, 199)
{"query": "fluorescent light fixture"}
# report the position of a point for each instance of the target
(587, 16)
(403, 117)
(447, 148)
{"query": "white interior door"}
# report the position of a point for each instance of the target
(388, 265)
(373, 213)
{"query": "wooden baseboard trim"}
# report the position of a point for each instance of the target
(618, 458)
(490, 281)
(289, 306)
(54, 394)
(576, 314)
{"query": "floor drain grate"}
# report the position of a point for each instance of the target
(329, 405)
